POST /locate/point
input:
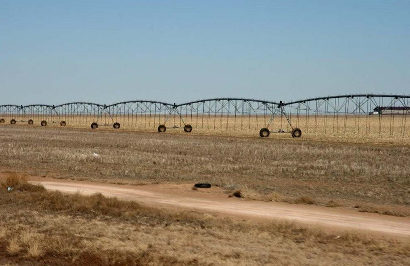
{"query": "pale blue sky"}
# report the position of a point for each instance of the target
(175, 51)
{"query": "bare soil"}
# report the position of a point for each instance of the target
(214, 200)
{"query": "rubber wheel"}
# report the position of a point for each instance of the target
(116, 125)
(43, 123)
(13, 121)
(30, 122)
(202, 185)
(162, 128)
(188, 128)
(2, 121)
(264, 133)
(94, 125)
(296, 133)
(63, 123)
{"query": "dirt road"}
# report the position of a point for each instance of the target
(214, 201)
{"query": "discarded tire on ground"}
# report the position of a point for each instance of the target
(296, 133)
(116, 125)
(188, 128)
(162, 128)
(13, 121)
(94, 125)
(2, 121)
(30, 122)
(264, 133)
(63, 123)
(43, 123)
(202, 185)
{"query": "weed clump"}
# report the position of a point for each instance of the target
(14, 181)
(380, 210)
(304, 200)
(332, 204)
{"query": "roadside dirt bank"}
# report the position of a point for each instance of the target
(213, 200)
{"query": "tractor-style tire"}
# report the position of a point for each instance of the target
(13, 121)
(30, 122)
(296, 133)
(43, 123)
(2, 121)
(162, 128)
(116, 125)
(94, 125)
(63, 123)
(264, 133)
(188, 128)
(202, 185)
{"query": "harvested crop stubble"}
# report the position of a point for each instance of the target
(347, 173)
(375, 128)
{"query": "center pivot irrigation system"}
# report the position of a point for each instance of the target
(364, 114)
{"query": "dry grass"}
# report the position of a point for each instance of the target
(13, 247)
(13, 180)
(41, 227)
(280, 169)
(304, 200)
(332, 204)
(372, 208)
(363, 127)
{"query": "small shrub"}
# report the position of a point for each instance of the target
(13, 180)
(19, 182)
(332, 203)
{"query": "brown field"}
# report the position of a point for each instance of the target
(355, 173)
(51, 228)
(369, 127)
